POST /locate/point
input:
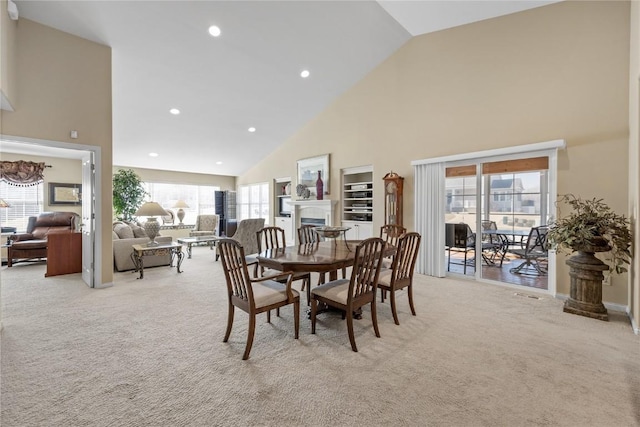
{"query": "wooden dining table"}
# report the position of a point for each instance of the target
(320, 257)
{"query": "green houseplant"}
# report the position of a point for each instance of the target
(128, 194)
(590, 227)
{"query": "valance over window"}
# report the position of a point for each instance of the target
(22, 173)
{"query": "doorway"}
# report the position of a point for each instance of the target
(496, 215)
(90, 158)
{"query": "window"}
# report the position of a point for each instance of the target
(24, 202)
(199, 198)
(253, 201)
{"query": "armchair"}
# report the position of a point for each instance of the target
(246, 235)
(206, 225)
(33, 243)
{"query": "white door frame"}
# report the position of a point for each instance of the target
(97, 191)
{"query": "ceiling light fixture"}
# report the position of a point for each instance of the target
(214, 31)
(218, 163)
(174, 111)
(153, 154)
(251, 129)
(304, 74)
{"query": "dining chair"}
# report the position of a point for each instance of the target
(274, 238)
(400, 275)
(254, 295)
(358, 291)
(534, 254)
(391, 233)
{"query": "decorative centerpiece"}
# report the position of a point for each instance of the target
(590, 228)
(303, 191)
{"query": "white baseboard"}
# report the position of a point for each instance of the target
(634, 325)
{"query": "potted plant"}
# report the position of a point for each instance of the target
(590, 227)
(128, 194)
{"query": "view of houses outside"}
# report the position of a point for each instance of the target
(515, 201)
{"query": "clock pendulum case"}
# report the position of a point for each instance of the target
(393, 198)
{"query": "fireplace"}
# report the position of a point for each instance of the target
(314, 212)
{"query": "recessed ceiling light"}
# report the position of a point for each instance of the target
(153, 154)
(218, 163)
(214, 30)
(304, 74)
(251, 129)
(174, 111)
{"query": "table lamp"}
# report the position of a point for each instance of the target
(152, 226)
(180, 214)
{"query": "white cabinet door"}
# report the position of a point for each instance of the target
(359, 230)
(287, 225)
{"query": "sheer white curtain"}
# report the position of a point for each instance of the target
(429, 217)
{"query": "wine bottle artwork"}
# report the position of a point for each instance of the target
(319, 186)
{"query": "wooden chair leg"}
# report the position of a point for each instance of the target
(269, 316)
(229, 323)
(393, 308)
(314, 307)
(374, 318)
(410, 293)
(251, 332)
(352, 337)
(296, 317)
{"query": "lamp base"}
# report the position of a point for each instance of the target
(152, 227)
(180, 215)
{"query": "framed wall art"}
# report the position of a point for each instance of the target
(308, 173)
(65, 194)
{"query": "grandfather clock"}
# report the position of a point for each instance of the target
(393, 198)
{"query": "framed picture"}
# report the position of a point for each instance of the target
(65, 194)
(308, 172)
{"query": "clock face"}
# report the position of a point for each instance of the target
(391, 187)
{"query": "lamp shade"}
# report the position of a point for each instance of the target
(151, 209)
(181, 204)
(4, 204)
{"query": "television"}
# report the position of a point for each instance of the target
(284, 208)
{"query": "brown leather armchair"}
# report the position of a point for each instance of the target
(33, 243)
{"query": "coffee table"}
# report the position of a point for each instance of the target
(196, 240)
(140, 251)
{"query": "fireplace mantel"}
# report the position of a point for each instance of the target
(319, 209)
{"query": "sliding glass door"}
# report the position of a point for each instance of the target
(491, 209)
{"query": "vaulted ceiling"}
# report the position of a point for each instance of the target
(248, 77)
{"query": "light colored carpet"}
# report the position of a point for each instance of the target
(150, 353)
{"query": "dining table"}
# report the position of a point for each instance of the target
(319, 257)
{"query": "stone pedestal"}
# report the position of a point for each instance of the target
(586, 286)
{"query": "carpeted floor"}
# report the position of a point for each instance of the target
(150, 353)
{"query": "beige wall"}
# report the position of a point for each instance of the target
(555, 72)
(64, 84)
(634, 159)
(7, 53)
(170, 177)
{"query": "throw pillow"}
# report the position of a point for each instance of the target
(123, 231)
(115, 236)
(138, 231)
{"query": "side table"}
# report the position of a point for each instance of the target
(140, 251)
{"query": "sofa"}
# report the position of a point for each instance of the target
(33, 243)
(125, 235)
